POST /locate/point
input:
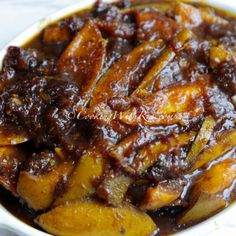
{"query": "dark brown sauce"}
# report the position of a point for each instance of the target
(19, 210)
(172, 167)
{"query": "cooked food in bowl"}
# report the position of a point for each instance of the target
(121, 120)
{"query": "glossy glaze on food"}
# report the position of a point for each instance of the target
(124, 116)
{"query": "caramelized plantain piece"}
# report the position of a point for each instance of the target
(168, 106)
(165, 58)
(219, 55)
(224, 143)
(84, 59)
(152, 25)
(114, 188)
(94, 219)
(205, 206)
(162, 195)
(38, 190)
(12, 136)
(131, 142)
(116, 28)
(218, 178)
(190, 16)
(56, 34)
(11, 157)
(148, 155)
(202, 138)
(81, 182)
(187, 15)
(206, 198)
(59, 153)
(162, 61)
(117, 81)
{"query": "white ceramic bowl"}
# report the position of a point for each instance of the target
(223, 223)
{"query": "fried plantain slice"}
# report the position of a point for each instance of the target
(56, 34)
(224, 143)
(11, 158)
(12, 136)
(84, 58)
(94, 219)
(190, 16)
(132, 141)
(148, 155)
(168, 106)
(113, 188)
(205, 206)
(38, 190)
(80, 183)
(202, 138)
(117, 81)
(162, 61)
(152, 25)
(163, 194)
(218, 55)
(207, 198)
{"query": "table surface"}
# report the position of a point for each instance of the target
(18, 15)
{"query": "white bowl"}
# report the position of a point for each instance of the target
(222, 223)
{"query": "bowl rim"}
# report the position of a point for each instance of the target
(210, 226)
